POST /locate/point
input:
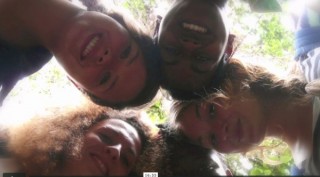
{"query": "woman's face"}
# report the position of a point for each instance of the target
(192, 40)
(101, 57)
(236, 128)
(110, 148)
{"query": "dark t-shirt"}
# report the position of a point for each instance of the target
(16, 64)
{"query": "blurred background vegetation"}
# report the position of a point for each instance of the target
(259, 35)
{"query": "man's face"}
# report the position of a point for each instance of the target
(192, 41)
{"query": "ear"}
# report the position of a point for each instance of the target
(156, 29)
(230, 47)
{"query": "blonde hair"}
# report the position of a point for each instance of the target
(313, 88)
(244, 80)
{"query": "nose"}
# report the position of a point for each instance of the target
(114, 151)
(96, 60)
(104, 58)
(190, 43)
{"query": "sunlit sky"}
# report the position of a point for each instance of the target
(30, 97)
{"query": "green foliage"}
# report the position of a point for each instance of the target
(46, 80)
(140, 9)
(275, 39)
(261, 168)
(260, 34)
(272, 158)
(156, 113)
(264, 5)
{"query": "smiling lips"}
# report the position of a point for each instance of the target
(88, 48)
(101, 166)
(193, 27)
(237, 133)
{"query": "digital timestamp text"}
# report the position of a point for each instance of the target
(150, 174)
(13, 175)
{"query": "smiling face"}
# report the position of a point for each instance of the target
(100, 57)
(236, 128)
(110, 148)
(192, 40)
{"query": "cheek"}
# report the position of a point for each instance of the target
(132, 79)
(86, 77)
(192, 129)
(120, 40)
(168, 37)
(91, 142)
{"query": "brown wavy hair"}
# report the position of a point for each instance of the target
(43, 143)
(169, 155)
(244, 80)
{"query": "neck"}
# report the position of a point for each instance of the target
(293, 124)
(30, 23)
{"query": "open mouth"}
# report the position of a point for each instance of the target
(112, 84)
(90, 45)
(194, 27)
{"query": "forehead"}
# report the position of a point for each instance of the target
(117, 124)
(187, 115)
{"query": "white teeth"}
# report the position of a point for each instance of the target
(90, 46)
(194, 27)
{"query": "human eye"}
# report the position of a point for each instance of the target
(104, 79)
(212, 111)
(172, 50)
(125, 54)
(125, 161)
(105, 138)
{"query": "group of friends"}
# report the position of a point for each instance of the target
(220, 104)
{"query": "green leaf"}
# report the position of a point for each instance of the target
(265, 6)
(256, 172)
